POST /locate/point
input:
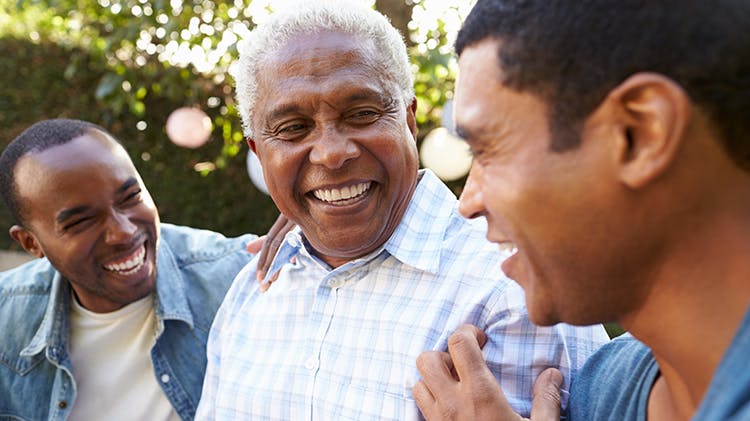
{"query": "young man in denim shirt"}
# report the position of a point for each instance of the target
(99, 326)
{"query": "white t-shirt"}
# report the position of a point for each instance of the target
(110, 353)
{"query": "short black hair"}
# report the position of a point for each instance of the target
(572, 53)
(37, 138)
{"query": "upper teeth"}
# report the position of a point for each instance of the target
(509, 248)
(343, 193)
(132, 264)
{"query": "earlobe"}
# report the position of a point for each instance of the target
(27, 240)
(654, 112)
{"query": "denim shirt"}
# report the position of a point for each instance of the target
(194, 270)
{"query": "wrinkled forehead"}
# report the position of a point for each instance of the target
(319, 54)
(315, 43)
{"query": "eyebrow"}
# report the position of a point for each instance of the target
(369, 95)
(126, 185)
(68, 213)
(384, 99)
(280, 112)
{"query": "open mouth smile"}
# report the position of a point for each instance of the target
(129, 265)
(508, 247)
(344, 195)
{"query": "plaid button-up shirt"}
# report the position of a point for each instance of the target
(341, 344)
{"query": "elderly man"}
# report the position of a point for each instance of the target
(611, 144)
(111, 322)
(384, 266)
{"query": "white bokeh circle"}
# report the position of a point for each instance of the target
(446, 154)
(188, 127)
(255, 171)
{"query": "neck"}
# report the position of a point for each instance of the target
(699, 297)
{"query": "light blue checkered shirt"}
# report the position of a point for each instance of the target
(342, 344)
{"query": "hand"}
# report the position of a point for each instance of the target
(458, 385)
(268, 245)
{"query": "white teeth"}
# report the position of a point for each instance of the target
(344, 193)
(509, 248)
(132, 265)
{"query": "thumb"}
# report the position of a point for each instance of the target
(546, 403)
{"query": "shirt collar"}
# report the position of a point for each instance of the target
(418, 238)
(55, 322)
(170, 303)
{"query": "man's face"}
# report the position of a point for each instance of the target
(336, 143)
(558, 210)
(87, 210)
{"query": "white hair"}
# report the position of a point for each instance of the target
(304, 17)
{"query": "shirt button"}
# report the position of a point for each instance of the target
(62, 404)
(165, 378)
(311, 363)
(336, 283)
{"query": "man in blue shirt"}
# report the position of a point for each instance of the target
(111, 322)
(612, 149)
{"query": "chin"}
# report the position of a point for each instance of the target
(542, 319)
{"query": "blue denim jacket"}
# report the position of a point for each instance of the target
(195, 269)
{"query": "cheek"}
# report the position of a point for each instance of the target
(280, 165)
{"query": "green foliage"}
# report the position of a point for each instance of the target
(127, 64)
(221, 200)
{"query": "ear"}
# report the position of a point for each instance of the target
(27, 240)
(251, 144)
(653, 111)
(411, 119)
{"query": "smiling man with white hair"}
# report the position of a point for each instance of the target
(384, 266)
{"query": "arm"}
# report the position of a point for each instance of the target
(458, 385)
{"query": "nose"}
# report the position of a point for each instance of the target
(333, 149)
(119, 228)
(471, 202)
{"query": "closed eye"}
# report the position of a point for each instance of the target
(133, 197)
(78, 224)
(292, 128)
(364, 116)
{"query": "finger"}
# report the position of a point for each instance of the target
(264, 285)
(424, 399)
(438, 387)
(546, 403)
(274, 239)
(254, 246)
(436, 369)
(465, 348)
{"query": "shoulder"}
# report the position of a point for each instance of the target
(24, 295)
(31, 278)
(615, 381)
(204, 251)
(728, 395)
(190, 244)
